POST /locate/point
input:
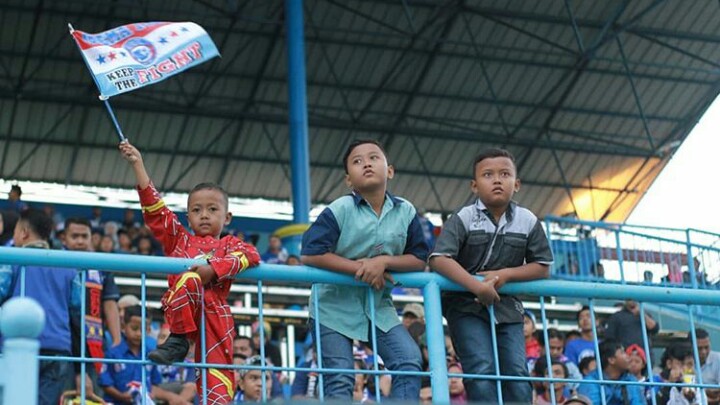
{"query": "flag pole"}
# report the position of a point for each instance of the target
(101, 97)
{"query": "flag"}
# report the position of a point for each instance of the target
(136, 55)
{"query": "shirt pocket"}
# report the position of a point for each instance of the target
(474, 250)
(393, 244)
(513, 251)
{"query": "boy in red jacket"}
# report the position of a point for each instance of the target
(207, 215)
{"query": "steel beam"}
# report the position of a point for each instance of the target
(332, 165)
(337, 124)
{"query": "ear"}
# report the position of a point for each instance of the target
(517, 185)
(347, 181)
(473, 186)
(390, 172)
(228, 218)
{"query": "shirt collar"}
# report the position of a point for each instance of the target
(358, 199)
(509, 213)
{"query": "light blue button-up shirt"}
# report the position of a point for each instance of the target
(350, 228)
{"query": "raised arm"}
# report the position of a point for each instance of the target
(163, 223)
(133, 156)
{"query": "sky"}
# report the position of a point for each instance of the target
(686, 193)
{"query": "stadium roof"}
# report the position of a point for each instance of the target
(592, 97)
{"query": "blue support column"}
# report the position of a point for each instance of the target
(298, 122)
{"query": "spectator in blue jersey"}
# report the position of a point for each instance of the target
(118, 379)
(54, 289)
(276, 253)
(614, 366)
(13, 202)
(584, 346)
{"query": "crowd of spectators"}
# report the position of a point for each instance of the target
(572, 354)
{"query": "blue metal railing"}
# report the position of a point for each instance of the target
(431, 283)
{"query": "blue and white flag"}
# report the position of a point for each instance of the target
(136, 55)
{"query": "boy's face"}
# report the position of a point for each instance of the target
(367, 168)
(558, 372)
(585, 321)
(242, 346)
(495, 181)
(528, 327)
(556, 347)
(635, 364)
(207, 212)
(133, 332)
(251, 384)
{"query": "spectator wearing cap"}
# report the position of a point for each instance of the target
(637, 366)
(412, 313)
(532, 346)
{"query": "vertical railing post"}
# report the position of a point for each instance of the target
(22, 320)
(619, 251)
(298, 122)
(436, 342)
(691, 260)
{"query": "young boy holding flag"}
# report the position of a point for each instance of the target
(203, 287)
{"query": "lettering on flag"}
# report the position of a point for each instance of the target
(136, 55)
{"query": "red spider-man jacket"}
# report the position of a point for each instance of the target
(227, 256)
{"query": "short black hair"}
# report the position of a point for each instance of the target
(354, 144)
(38, 221)
(584, 364)
(134, 310)
(493, 153)
(540, 367)
(211, 186)
(78, 221)
(16, 188)
(577, 316)
(552, 334)
(608, 348)
(677, 351)
(248, 338)
(700, 333)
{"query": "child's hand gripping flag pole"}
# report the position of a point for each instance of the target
(136, 55)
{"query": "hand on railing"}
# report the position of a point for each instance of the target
(485, 292)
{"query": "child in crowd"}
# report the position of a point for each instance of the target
(495, 238)
(203, 286)
(119, 379)
(365, 234)
(250, 382)
(559, 370)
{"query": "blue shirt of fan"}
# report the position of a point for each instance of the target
(119, 375)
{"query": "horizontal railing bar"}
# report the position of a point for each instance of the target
(305, 274)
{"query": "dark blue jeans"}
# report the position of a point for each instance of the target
(472, 339)
(53, 376)
(397, 349)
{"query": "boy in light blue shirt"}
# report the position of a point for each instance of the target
(365, 234)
